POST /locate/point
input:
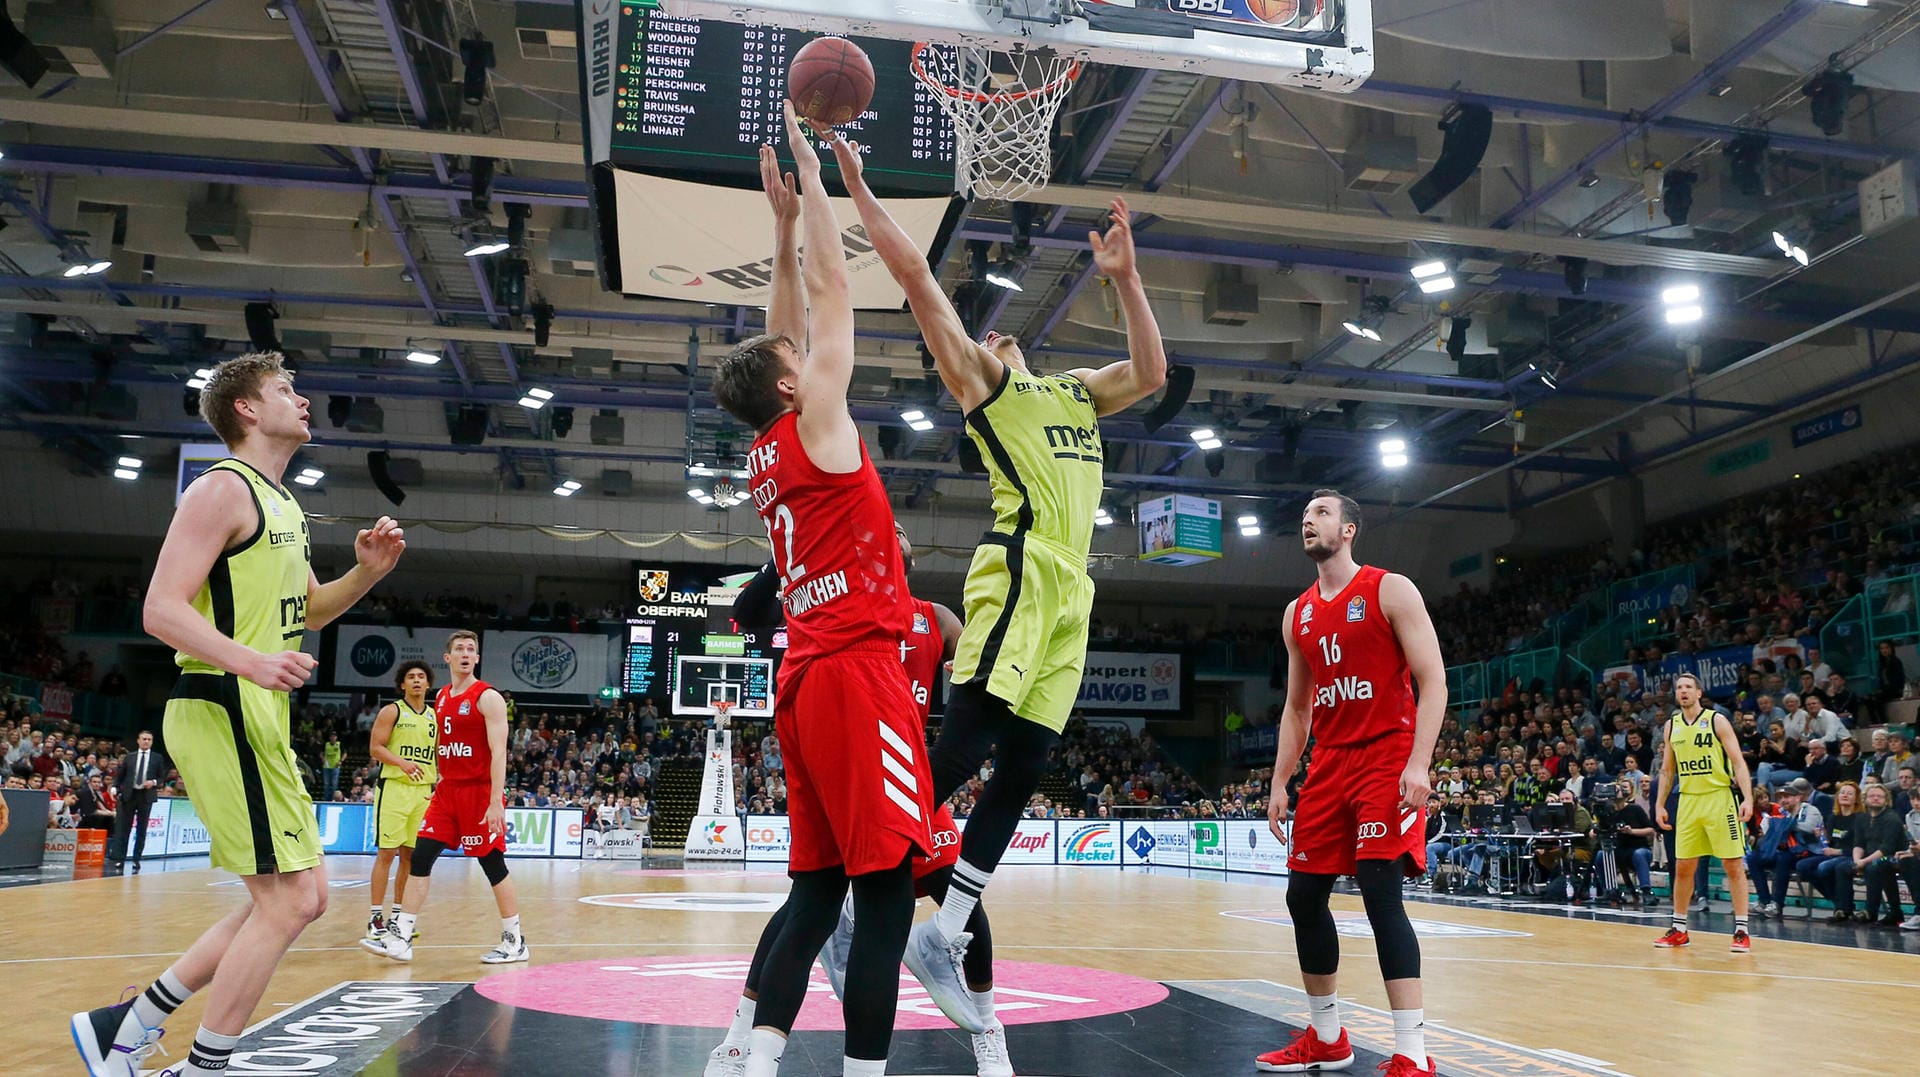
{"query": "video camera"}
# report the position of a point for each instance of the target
(1606, 792)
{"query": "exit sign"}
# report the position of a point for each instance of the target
(1740, 459)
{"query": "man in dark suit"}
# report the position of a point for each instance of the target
(141, 773)
(96, 805)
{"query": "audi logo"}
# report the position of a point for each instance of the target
(944, 838)
(1372, 830)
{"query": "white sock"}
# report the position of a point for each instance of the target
(742, 1022)
(861, 1067)
(510, 925)
(846, 907)
(1324, 1011)
(403, 925)
(962, 895)
(983, 1001)
(764, 1047)
(375, 912)
(151, 1007)
(210, 1052)
(1410, 1034)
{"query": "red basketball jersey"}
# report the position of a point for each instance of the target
(833, 544)
(922, 650)
(465, 755)
(1362, 687)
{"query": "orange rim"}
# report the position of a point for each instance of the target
(958, 94)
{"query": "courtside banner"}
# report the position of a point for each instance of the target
(1251, 847)
(1089, 841)
(769, 837)
(1034, 842)
(1130, 681)
(366, 656)
(1209, 844)
(345, 828)
(599, 30)
(708, 244)
(553, 663)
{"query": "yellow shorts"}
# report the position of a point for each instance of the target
(1028, 605)
(228, 736)
(1708, 825)
(399, 807)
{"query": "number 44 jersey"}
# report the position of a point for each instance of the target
(1362, 687)
(841, 578)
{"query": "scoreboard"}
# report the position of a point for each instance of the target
(668, 620)
(698, 99)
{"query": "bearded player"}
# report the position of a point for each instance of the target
(469, 807)
(1358, 640)
(856, 764)
(930, 643)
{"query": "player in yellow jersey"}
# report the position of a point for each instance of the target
(404, 739)
(1704, 757)
(234, 593)
(1018, 667)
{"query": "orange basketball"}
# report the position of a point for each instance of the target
(1278, 12)
(830, 81)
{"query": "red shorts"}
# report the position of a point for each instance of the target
(946, 850)
(1349, 811)
(457, 819)
(856, 760)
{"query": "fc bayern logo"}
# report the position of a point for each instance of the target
(545, 662)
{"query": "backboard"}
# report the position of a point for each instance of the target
(1317, 44)
(700, 681)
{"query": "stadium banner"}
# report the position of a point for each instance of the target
(551, 663)
(1162, 843)
(1131, 681)
(569, 833)
(1650, 600)
(1719, 669)
(1090, 841)
(716, 837)
(1209, 845)
(366, 656)
(348, 828)
(1179, 530)
(1033, 843)
(769, 838)
(1251, 847)
(186, 834)
(1822, 427)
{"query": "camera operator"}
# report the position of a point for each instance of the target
(1626, 822)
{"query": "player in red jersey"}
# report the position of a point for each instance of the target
(1357, 641)
(469, 807)
(856, 760)
(928, 645)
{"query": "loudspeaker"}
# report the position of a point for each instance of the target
(468, 425)
(260, 331)
(18, 56)
(377, 462)
(1179, 388)
(1468, 129)
(481, 188)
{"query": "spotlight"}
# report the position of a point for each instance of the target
(1684, 315)
(1829, 92)
(1393, 447)
(125, 474)
(1746, 163)
(1361, 331)
(1790, 249)
(99, 267)
(566, 489)
(510, 284)
(1680, 295)
(1468, 129)
(1005, 274)
(542, 322)
(483, 248)
(1206, 439)
(1574, 271)
(1433, 277)
(260, 330)
(476, 53)
(423, 358)
(1249, 525)
(1676, 195)
(481, 185)
(1457, 338)
(535, 399)
(917, 420)
(130, 461)
(1721, 89)
(1546, 379)
(199, 382)
(1394, 461)
(1102, 518)
(1590, 180)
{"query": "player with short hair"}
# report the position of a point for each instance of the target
(469, 806)
(404, 742)
(1028, 597)
(1358, 640)
(855, 759)
(234, 593)
(1703, 753)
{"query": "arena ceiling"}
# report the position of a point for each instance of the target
(315, 154)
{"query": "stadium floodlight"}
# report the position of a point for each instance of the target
(1202, 434)
(564, 490)
(1211, 444)
(536, 398)
(125, 474)
(1102, 518)
(1394, 461)
(306, 480)
(1685, 315)
(488, 247)
(1361, 331)
(1680, 295)
(1392, 446)
(200, 378)
(1429, 269)
(1436, 285)
(917, 420)
(130, 461)
(423, 357)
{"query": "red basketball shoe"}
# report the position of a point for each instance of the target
(1402, 1066)
(1307, 1054)
(1673, 939)
(1742, 943)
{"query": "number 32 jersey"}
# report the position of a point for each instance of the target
(1362, 686)
(841, 578)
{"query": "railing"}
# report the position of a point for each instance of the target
(1607, 644)
(1542, 664)
(1891, 609)
(1845, 642)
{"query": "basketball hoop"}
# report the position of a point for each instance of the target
(1003, 137)
(722, 714)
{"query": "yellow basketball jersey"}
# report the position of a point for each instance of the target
(1040, 440)
(256, 593)
(415, 737)
(1698, 756)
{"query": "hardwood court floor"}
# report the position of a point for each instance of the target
(1595, 992)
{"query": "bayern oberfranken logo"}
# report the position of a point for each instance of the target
(545, 662)
(653, 584)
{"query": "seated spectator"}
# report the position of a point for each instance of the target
(1851, 764)
(1840, 699)
(1789, 837)
(1879, 836)
(1781, 757)
(1907, 793)
(1830, 868)
(1822, 722)
(1821, 769)
(1897, 754)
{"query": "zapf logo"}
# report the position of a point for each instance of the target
(1033, 841)
(1343, 690)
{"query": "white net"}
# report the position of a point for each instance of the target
(1002, 105)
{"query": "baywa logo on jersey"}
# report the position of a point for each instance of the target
(1091, 845)
(1343, 690)
(653, 584)
(545, 662)
(1357, 609)
(372, 656)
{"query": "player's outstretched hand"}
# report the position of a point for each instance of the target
(1415, 787)
(1277, 811)
(283, 671)
(807, 161)
(781, 193)
(1660, 818)
(1113, 252)
(847, 154)
(379, 547)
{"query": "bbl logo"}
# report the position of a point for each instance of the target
(545, 662)
(372, 656)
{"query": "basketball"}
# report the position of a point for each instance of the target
(830, 81)
(1274, 11)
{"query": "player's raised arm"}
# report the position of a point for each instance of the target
(1296, 722)
(970, 372)
(1118, 386)
(787, 300)
(826, 368)
(1407, 613)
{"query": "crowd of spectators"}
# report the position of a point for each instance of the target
(78, 773)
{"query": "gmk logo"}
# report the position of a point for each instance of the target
(680, 276)
(1372, 830)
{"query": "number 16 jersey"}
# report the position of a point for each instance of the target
(1362, 686)
(841, 578)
